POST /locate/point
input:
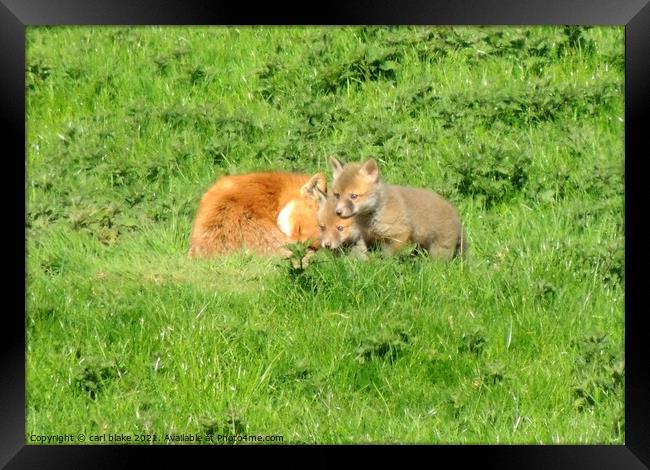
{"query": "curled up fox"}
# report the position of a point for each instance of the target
(372, 212)
(260, 212)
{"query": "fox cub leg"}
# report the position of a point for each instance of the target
(395, 244)
(442, 252)
(443, 248)
(359, 250)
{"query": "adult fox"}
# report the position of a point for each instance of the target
(257, 211)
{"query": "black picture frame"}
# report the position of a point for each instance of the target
(15, 15)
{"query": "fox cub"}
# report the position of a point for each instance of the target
(394, 216)
(258, 211)
(336, 233)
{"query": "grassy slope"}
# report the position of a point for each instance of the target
(521, 128)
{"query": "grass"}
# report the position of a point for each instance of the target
(521, 128)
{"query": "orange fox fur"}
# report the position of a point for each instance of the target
(257, 211)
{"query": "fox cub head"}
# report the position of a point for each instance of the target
(335, 232)
(355, 188)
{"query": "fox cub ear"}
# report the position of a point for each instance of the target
(337, 166)
(316, 188)
(370, 170)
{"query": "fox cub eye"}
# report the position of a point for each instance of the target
(339, 228)
(354, 196)
(322, 228)
(337, 195)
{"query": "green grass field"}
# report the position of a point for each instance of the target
(521, 128)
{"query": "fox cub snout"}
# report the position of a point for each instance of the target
(394, 216)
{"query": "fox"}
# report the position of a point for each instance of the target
(260, 212)
(393, 217)
(336, 233)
